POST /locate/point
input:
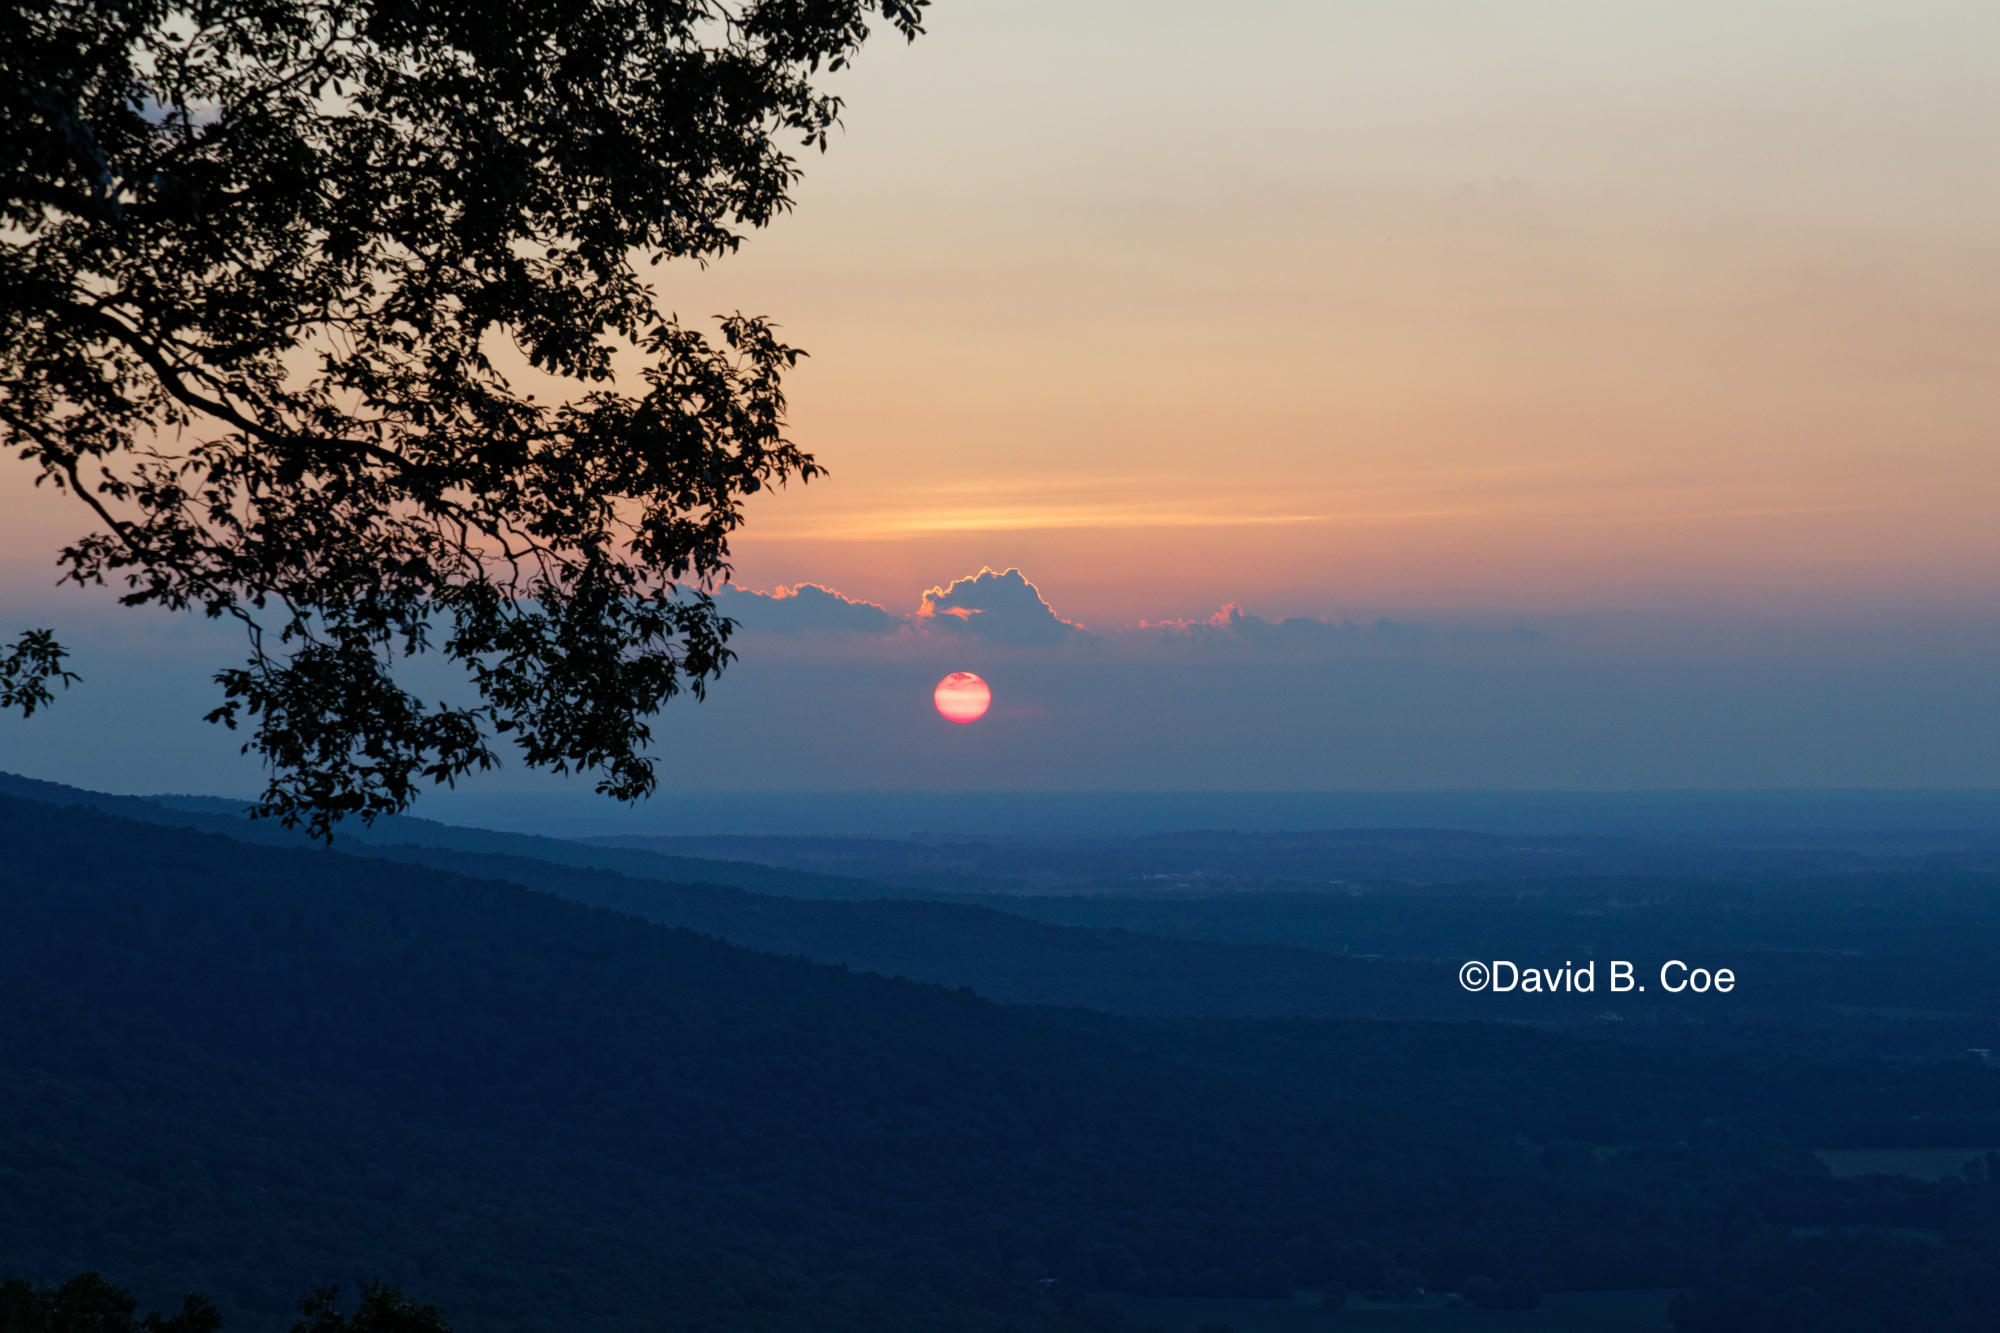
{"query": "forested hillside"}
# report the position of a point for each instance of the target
(1838, 953)
(215, 815)
(247, 1069)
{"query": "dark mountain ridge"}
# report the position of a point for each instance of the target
(1882, 963)
(1220, 861)
(539, 1114)
(216, 815)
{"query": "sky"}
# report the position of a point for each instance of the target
(1604, 396)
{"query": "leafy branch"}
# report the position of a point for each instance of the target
(29, 665)
(261, 266)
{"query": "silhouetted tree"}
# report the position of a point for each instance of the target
(269, 271)
(87, 1303)
(26, 669)
(382, 1309)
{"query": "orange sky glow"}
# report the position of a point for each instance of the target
(1441, 308)
(1447, 307)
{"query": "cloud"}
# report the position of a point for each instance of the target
(1232, 624)
(804, 607)
(1002, 607)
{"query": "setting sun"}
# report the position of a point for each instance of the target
(962, 697)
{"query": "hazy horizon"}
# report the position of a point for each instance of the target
(1562, 397)
(1823, 814)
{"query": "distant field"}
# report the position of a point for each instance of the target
(1561, 1312)
(1923, 1163)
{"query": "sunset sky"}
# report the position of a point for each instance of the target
(1639, 361)
(1470, 307)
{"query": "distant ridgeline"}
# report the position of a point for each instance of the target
(216, 815)
(244, 1069)
(1863, 943)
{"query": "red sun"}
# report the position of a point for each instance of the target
(962, 697)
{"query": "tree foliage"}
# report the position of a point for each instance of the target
(26, 669)
(267, 265)
(381, 1308)
(87, 1303)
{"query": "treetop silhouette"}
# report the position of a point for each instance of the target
(258, 257)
